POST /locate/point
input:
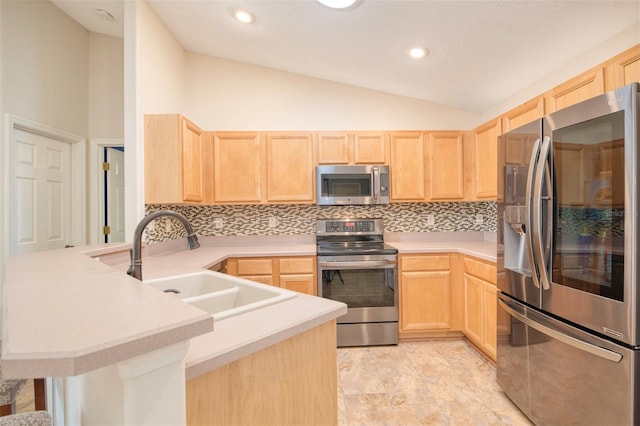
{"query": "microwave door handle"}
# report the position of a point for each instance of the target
(376, 184)
(529, 217)
(541, 173)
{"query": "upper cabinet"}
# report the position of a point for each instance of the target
(407, 166)
(427, 166)
(523, 114)
(290, 167)
(483, 148)
(352, 148)
(580, 88)
(237, 167)
(445, 166)
(175, 153)
(256, 168)
(623, 69)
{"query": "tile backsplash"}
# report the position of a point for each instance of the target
(300, 219)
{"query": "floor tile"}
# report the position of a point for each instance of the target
(443, 382)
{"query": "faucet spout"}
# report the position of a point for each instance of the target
(135, 269)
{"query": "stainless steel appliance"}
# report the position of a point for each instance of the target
(356, 267)
(346, 185)
(568, 336)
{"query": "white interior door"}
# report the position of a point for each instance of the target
(115, 194)
(40, 193)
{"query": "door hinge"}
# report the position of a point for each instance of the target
(106, 167)
(106, 230)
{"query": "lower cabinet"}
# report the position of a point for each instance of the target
(480, 304)
(293, 273)
(428, 295)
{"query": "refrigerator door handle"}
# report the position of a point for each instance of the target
(555, 334)
(536, 213)
(529, 218)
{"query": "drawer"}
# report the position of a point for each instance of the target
(255, 266)
(297, 265)
(480, 269)
(424, 262)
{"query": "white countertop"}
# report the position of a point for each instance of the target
(67, 313)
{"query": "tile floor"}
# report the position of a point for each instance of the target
(443, 382)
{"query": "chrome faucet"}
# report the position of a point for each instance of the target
(135, 269)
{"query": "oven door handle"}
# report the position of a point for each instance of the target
(359, 264)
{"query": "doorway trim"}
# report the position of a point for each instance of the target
(96, 187)
(78, 173)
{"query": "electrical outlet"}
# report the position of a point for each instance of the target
(431, 220)
(479, 219)
(217, 223)
(273, 221)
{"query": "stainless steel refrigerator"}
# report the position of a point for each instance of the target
(568, 225)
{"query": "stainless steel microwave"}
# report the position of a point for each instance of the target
(352, 185)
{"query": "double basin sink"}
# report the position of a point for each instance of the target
(221, 295)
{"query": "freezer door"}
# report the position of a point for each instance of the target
(558, 374)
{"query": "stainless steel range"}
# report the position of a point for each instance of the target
(357, 268)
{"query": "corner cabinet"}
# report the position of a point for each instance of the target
(297, 273)
(480, 304)
(175, 161)
(623, 69)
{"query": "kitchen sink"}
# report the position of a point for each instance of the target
(221, 295)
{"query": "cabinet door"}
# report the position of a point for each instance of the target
(524, 114)
(490, 304)
(333, 148)
(473, 309)
(571, 186)
(193, 179)
(485, 163)
(623, 69)
(237, 167)
(407, 166)
(303, 283)
(425, 301)
(580, 88)
(290, 168)
(445, 166)
(369, 148)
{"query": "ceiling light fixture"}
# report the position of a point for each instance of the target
(418, 52)
(104, 15)
(244, 16)
(337, 4)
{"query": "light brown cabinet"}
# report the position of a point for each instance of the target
(352, 148)
(623, 69)
(445, 166)
(484, 158)
(293, 273)
(523, 114)
(480, 304)
(580, 88)
(175, 157)
(425, 293)
(427, 166)
(256, 168)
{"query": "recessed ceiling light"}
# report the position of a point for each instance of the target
(337, 4)
(244, 16)
(104, 15)
(418, 52)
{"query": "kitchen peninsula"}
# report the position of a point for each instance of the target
(78, 312)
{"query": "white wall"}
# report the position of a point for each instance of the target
(626, 39)
(44, 61)
(106, 86)
(228, 95)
